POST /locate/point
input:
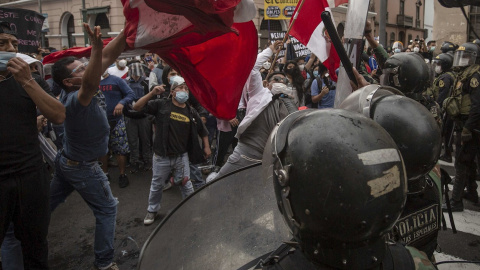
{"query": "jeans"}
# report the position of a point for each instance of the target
(12, 258)
(24, 202)
(196, 176)
(139, 134)
(179, 167)
(88, 179)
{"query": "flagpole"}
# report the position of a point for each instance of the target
(286, 35)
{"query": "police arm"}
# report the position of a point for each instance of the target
(472, 123)
(93, 72)
(50, 107)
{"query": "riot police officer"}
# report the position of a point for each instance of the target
(464, 107)
(340, 192)
(448, 47)
(420, 148)
(442, 64)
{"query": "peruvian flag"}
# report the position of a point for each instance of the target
(309, 29)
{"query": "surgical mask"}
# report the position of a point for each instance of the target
(301, 67)
(432, 48)
(397, 51)
(438, 69)
(416, 49)
(122, 63)
(280, 88)
(181, 96)
(4, 58)
(266, 65)
(315, 73)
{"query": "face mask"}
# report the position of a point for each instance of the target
(416, 49)
(438, 69)
(280, 88)
(4, 57)
(432, 48)
(267, 65)
(289, 71)
(122, 63)
(397, 50)
(315, 73)
(181, 97)
(277, 69)
(301, 67)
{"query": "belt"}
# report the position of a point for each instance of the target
(74, 162)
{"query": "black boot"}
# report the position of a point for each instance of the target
(471, 196)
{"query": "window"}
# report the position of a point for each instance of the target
(475, 20)
(409, 39)
(392, 38)
(402, 7)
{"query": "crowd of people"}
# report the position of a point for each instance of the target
(71, 122)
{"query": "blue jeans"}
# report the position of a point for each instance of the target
(12, 257)
(162, 167)
(196, 176)
(88, 179)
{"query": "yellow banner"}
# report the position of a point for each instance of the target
(279, 9)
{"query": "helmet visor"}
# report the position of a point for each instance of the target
(463, 59)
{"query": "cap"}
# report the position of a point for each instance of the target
(176, 81)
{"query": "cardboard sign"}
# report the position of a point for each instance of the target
(299, 48)
(28, 25)
(279, 9)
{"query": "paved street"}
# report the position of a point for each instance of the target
(72, 228)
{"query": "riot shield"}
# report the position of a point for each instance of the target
(225, 225)
(353, 40)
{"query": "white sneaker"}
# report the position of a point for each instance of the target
(149, 218)
(168, 185)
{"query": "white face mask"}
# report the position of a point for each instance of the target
(438, 69)
(280, 88)
(267, 65)
(301, 67)
(416, 49)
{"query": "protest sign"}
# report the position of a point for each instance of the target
(299, 48)
(28, 25)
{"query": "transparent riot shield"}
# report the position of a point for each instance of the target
(225, 225)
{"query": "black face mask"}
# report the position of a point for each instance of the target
(289, 71)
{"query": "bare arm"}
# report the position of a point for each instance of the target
(319, 97)
(206, 147)
(91, 76)
(310, 62)
(157, 90)
(50, 107)
(369, 35)
(113, 50)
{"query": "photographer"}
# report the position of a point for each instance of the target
(326, 96)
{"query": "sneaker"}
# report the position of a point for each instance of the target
(123, 181)
(167, 186)
(136, 168)
(113, 266)
(470, 196)
(149, 218)
(456, 206)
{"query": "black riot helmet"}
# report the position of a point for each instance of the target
(339, 190)
(466, 55)
(448, 47)
(445, 60)
(409, 123)
(407, 72)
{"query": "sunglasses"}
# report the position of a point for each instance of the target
(80, 68)
(279, 79)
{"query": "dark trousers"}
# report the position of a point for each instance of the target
(139, 135)
(224, 140)
(465, 167)
(24, 200)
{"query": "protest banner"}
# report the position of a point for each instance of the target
(299, 48)
(28, 25)
(279, 9)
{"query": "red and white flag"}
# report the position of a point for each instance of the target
(310, 30)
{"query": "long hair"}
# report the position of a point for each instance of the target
(297, 78)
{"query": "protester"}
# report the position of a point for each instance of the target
(86, 140)
(117, 95)
(120, 69)
(295, 82)
(24, 184)
(176, 144)
(325, 97)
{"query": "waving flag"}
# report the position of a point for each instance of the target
(310, 30)
(212, 43)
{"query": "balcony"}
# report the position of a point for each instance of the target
(404, 21)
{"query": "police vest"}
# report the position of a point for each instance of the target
(420, 221)
(434, 91)
(459, 102)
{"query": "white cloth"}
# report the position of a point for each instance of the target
(258, 96)
(117, 72)
(31, 60)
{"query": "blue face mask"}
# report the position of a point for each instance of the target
(181, 97)
(315, 73)
(4, 57)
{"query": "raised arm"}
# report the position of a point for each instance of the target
(113, 50)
